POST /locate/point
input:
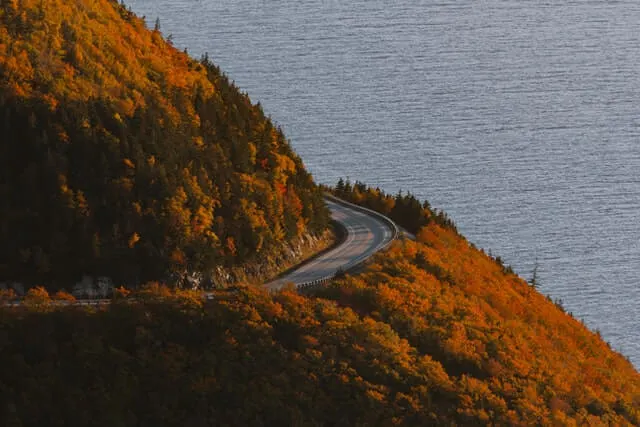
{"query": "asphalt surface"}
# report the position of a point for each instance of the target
(366, 234)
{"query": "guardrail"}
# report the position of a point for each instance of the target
(392, 225)
(103, 301)
(395, 232)
(84, 302)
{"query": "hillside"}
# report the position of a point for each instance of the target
(120, 156)
(514, 354)
(432, 333)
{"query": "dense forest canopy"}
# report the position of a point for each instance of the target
(121, 156)
(434, 332)
(405, 209)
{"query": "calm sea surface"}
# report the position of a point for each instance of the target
(521, 119)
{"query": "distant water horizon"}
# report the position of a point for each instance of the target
(520, 120)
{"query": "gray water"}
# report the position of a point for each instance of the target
(521, 119)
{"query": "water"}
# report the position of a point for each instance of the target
(520, 119)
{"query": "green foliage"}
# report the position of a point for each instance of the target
(121, 156)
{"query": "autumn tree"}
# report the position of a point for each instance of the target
(126, 158)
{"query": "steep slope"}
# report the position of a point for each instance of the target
(121, 156)
(432, 333)
(472, 314)
(516, 355)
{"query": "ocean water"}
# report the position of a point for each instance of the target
(520, 119)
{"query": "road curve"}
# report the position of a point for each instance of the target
(367, 233)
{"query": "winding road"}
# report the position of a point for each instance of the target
(367, 232)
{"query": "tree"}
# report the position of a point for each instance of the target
(37, 298)
(347, 187)
(7, 295)
(63, 296)
(533, 281)
(340, 187)
(148, 157)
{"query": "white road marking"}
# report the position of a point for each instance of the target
(367, 233)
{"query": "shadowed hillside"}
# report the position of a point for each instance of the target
(432, 333)
(121, 156)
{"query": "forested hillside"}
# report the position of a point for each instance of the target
(121, 156)
(432, 333)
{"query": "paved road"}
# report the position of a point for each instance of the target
(367, 233)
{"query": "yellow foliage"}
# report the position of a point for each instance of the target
(178, 257)
(231, 246)
(284, 167)
(7, 295)
(37, 297)
(179, 213)
(119, 59)
(509, 346)
(63, 296)
(121, 292)
(198, 141)
(135, 237)
(144, 145)
(202, 220)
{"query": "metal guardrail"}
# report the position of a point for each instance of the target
(395, 232)
(305, 285)
(96, 302)
(84, 302)
(392, 225)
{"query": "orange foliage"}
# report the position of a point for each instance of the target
(37, 298)
(404, 347)
(121, 292)
(127, 44)
(148, 143)
(7, 295)
(503, 342)
(63, 296)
